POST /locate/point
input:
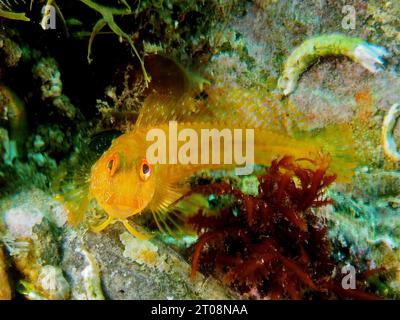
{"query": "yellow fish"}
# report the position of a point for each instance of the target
(126, 182)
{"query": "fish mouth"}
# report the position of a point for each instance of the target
(124, 211)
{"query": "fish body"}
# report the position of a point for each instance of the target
(124, 180)
(127, 181)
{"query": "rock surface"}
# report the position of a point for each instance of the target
(111, 264)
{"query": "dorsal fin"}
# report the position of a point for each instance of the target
(159, 109)
(171, 94)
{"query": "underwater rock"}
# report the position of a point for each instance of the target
(143, 252)
(60, 262)
(52, 140)
(268, 31)
(335, 90)
(46, 70)
(133, 269)
(5, 290)
(374, 184)
(86, 281)
(338, 91)
(31, 235)
(11, 51)
(383, 21)
(365, 234)
(258, 42)
(51, 280)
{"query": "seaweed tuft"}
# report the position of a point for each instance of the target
(273, 245)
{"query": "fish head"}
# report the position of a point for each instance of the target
(122, 180)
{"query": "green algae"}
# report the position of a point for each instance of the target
(14, 15)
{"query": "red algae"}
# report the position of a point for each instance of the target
(276, 247)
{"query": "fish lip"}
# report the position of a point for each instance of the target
(125, 210)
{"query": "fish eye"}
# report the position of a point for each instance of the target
(112, 164)
(144, 170)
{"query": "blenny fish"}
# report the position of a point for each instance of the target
(125, 183)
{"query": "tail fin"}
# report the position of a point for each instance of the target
(336, 141)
